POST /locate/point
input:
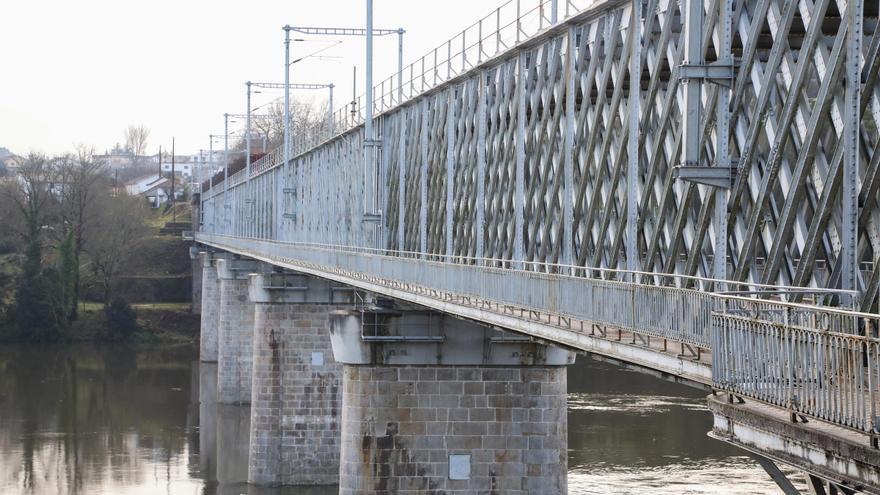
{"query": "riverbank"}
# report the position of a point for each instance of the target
(171, 323)
(154, 323)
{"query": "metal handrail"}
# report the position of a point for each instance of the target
(574, 270)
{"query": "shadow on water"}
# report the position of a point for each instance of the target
(110, 420)
(634, 433)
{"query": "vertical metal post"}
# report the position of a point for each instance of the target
(225, 170)
(480, 42)
(554, 11)
(401, 181)
(248, 187)
(369, 174)
(693, 55)
(400, 32)
(568, 149)
(450, 170)
(247, 138)
(481, 161)
(449, 60)
(383, 181)
(519, 193)
(849, 255)
(632, 200)
(722, 142)
(497, 30)
(330, 123)
(210, 165)
(286, 143)
(423, 181)
(518, 20)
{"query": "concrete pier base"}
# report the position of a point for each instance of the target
(208, 420)
(432, 404)
(210, 311)
(235, 332)
(297, 394)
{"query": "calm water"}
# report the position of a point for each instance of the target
(118, 421)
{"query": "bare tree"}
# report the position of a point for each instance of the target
(136, 141)
(84, 179)
(33, 193)
(123, 224)
(308, 121)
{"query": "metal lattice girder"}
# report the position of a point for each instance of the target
(527, 157)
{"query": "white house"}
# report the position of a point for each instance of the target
(155, 189)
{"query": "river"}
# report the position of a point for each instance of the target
(113, 420)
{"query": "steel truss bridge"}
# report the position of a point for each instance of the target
(688, 186)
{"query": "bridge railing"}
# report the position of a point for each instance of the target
(659, 305)
(493, 34)
(814, 361)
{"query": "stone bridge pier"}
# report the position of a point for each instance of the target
(431, 403)
(297, 395)
(235, 330)
(210, 307)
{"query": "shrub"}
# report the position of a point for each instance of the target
(121, 319)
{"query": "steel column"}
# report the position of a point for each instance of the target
(849, 266)
(693, 55)
(722, 141)
(423, 181)
(635, 88)
(518, 195)
(401, 180)
(450, 169)
(481, 162)
(568, 148)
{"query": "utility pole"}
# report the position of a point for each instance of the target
(210, 164)
(247, 138)
(369, 193)
(225, 170)
(286, 169)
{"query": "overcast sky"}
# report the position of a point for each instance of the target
(81, 71)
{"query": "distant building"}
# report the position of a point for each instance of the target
(10, 163)
(193, 167)
(156, 190)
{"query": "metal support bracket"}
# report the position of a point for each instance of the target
(722, 177)
(372, 217)
(716, 73)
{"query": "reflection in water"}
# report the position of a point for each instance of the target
(117, 420)
(110, 420)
